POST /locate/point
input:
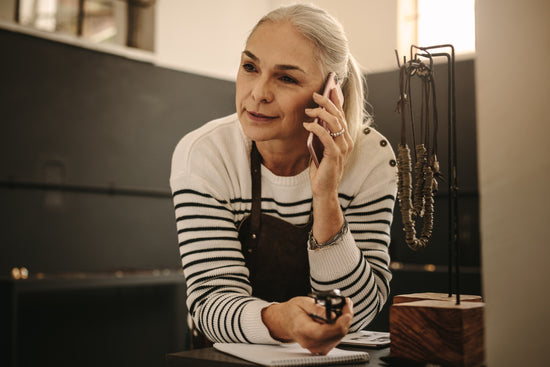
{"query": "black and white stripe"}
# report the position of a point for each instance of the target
(211, 191)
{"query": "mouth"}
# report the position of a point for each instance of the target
(259, 117)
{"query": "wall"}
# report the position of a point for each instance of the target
(7, 10)
(512, 77)
(102, 128)
(207, 37)
(371, 27)
(85, 148)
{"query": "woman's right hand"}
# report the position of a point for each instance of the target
(290, 322)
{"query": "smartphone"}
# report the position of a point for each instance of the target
(314, 145)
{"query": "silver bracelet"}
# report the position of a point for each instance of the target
(314, 245)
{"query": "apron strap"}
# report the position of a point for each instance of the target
(255, 215)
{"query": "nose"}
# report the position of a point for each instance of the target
(261, 91)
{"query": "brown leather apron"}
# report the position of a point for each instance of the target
(275, 251)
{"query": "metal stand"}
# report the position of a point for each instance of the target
(419, 56)
(430, 327)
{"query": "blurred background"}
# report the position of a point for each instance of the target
(94, 96)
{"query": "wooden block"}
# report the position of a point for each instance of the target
(441, 332)
(434, 296)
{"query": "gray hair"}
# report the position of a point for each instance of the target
(327, 34)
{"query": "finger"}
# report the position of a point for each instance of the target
(320, 319)
(323, 135)
(333, 122)
(331, 104)
(313, 309)
(321, 338)
(349, 141)
(318, 310)
(324, 341)
(334, 117)
(316, 333)
(337, 97)
(348, 307)
(322, 349)
(343, 322)
(334, 146)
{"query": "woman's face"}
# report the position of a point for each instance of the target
(278, 74)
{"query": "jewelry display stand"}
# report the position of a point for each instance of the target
(432, 327)
(436, 329)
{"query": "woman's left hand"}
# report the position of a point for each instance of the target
(325, 179)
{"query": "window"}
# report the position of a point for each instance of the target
(435, 22)
(123, 22)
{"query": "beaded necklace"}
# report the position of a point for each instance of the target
(416, 199)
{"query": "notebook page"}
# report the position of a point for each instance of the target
(289, 354)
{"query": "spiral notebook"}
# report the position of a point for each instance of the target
(289, 354)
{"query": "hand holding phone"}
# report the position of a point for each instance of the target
(314, 145)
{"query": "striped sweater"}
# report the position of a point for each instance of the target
(211, 186)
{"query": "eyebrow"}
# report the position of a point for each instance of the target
(278, 66)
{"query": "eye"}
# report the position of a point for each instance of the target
(248, 67)
(288, 79)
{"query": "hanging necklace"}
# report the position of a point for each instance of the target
(416, 200)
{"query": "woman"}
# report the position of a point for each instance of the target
(259, 225)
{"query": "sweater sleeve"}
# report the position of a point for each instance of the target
(218, 290)
(359, 265)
